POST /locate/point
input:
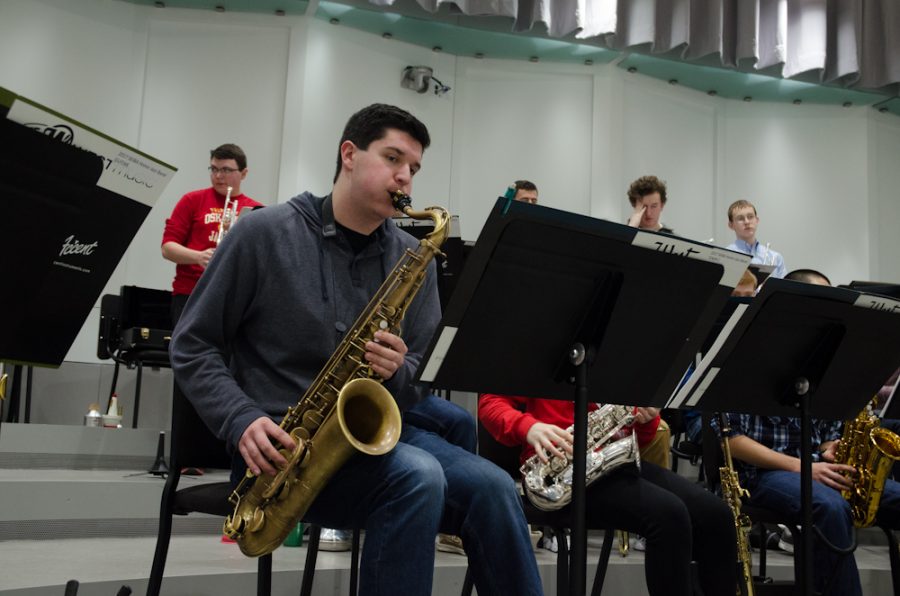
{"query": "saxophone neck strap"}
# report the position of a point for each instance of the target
(329, 226)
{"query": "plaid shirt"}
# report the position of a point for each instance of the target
(778, 433)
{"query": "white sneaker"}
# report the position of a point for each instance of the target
(550, 543)
(448, 543)
(639, 543)
(786, 541)
(334, 540)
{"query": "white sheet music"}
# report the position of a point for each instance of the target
(693, 389)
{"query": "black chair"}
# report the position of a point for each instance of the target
(193, 445)
(682, 447)
(507, 458)
(110, 345)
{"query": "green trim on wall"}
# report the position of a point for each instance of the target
(491, 37)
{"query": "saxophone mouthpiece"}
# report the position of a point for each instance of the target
(401, 200)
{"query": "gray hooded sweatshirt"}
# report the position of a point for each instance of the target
(275, 301)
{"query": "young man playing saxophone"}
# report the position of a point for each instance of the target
(276, 300)
(766, 451)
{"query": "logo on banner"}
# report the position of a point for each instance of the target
(71, 246)
(57, 132)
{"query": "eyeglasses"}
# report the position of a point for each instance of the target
(224, 171)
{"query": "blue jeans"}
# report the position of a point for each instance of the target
(398, 499)
(483, 508)
(426, 484)
(445, 419)
(780, 490)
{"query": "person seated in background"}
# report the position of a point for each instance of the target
(681, 520)
(648, 197)
(743, 220)
(766, 452)
(525, 191)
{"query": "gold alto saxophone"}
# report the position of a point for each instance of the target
(345, 410)
(733, 493)
(872, 451)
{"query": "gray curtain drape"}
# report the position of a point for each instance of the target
(852, 43)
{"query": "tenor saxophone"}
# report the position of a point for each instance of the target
(345, 410)
(872, 451)
(732, 492)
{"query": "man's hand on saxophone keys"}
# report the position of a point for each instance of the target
(258, 450)
(837, 476)
(549, 438)
(386, 354)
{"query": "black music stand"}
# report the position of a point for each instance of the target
(63, 231)
(801, 350)
(554, 304)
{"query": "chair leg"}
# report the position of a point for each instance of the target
(160, 555)
(600, 576)
(763, 546)
(468, 583)
(163, 535)
(264, 576)
(354, 563)
(137, 394)
(563, 570)
(312, 552)
(894, 551)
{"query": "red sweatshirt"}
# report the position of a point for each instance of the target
(195, 224)
(508, 419)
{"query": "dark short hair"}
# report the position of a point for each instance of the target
(230, 151)
(372, 123)
(740, 204)
(525, 185)
(808, 276)
(644, 186)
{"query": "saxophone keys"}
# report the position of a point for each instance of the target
(257, 521)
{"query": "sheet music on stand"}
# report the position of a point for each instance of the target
(75, 198)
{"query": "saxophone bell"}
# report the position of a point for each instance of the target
(872, 451)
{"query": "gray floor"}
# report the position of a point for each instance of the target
(201, 565)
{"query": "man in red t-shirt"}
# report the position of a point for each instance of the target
(192, 231)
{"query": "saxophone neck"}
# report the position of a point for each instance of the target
(439, 216)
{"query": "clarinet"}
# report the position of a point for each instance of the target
(733, 493)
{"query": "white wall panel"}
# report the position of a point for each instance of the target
(84, 59)
(521, 121)
(347, 70)
(884, 174)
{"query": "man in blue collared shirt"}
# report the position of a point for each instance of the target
(742, 218)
